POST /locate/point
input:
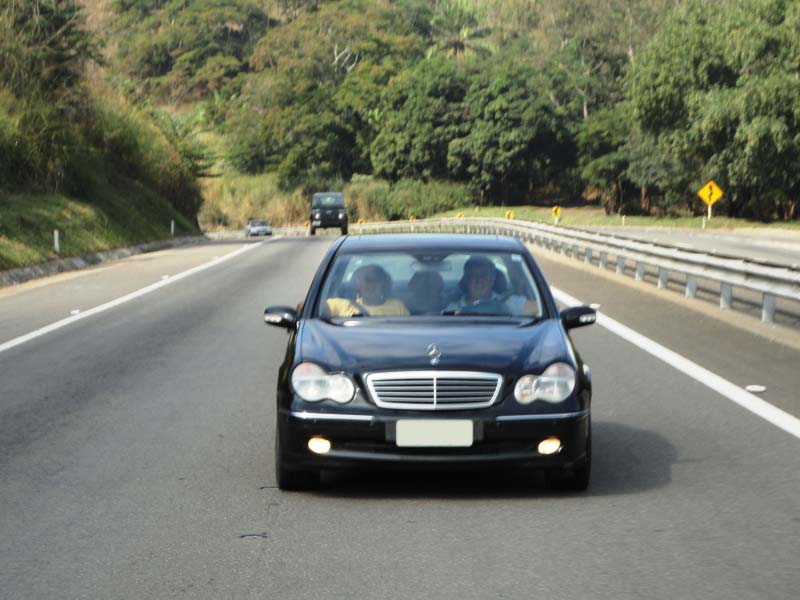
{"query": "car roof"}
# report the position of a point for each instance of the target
(429, 241)
(334, 194)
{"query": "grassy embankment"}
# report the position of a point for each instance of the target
(75, 154)
(122, 188)
(114, 214)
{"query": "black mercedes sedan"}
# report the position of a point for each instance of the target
(431, 350)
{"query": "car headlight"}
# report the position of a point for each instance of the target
(554, 385)
(313, 384)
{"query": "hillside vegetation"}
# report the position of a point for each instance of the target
(75, 155)
(413, 107)
(632, 103)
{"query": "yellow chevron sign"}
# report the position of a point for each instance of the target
(710, 193)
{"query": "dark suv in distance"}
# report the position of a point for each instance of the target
(327, 210)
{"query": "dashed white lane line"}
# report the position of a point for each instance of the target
(729, 390)
(123, 299)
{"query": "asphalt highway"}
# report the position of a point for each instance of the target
(136, 451)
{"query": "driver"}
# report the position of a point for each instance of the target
(479, 294)
(373, 286)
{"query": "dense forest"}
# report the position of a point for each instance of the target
(415, 106)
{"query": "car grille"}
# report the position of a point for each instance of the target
(434, 390)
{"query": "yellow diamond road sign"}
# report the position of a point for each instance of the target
(710, 193)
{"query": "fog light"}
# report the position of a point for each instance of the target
(319, 445)
(551, 445)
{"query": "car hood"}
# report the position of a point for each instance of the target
(383, 346)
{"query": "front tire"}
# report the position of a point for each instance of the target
(312, 231)
(293, 480)
(344, 230)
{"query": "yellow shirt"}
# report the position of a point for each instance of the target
(342, 307)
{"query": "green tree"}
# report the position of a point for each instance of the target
(44, 49)
(422, 112)
(316, 87)
(717, 87)
(457, 30)
(601, 139)
(514, 140)
(183, 50)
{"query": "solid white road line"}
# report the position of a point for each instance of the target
(123, 299)
(731, 391)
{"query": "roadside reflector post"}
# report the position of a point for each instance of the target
(623, 220)
(663, 278)
(56, 242)
(725, 295)
(691, 286)
(768, 308)
(172, 227)
(639, 271)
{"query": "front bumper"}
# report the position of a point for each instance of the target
(328, 223)
(363, 439)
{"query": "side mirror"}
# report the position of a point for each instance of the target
(280, 316)
(578, 316)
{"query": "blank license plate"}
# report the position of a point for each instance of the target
(421, 433)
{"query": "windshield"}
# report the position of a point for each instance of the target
(258, 223)
(328, 201)
(402, 284)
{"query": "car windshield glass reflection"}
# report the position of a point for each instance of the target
(399, 284)
(327, 202)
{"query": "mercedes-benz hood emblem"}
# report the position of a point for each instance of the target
(434, 354)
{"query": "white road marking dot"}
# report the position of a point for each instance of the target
(756, 389)
(164, 277)
(77, 311)
(731, 391)
(595, 306)
(123, 299)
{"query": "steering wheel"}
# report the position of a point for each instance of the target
(487, 307)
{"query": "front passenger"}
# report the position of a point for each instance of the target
(373, 287)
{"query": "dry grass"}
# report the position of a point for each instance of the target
(233, 199)
(98, 13)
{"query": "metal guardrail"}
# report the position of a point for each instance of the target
(771, 281)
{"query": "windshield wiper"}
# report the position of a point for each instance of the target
(531, 320)
(467, 313)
